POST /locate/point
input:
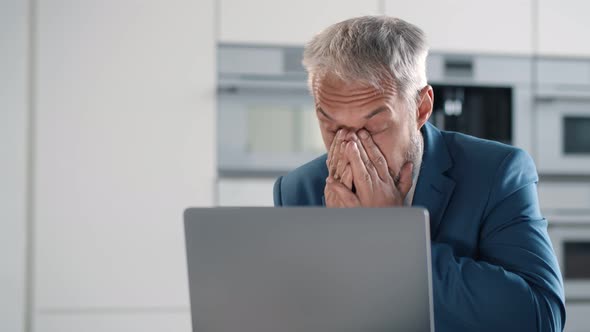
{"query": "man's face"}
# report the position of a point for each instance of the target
(394, 129)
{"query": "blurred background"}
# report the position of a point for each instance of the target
(115, 115)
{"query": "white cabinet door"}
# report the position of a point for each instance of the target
(13, 161)
(284, 22)
(470, 26)
(125, 142)
(563, 27)
(577, 317)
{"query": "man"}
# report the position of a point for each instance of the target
(493, 265)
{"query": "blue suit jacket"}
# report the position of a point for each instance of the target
(492, 262)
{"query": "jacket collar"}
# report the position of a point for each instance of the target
(434, 188)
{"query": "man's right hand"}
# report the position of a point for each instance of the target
(339, 167)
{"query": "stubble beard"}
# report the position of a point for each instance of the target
(415, 152)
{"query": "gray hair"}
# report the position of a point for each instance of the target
(371, 49)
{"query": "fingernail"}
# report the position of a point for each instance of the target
(329, 179)
(336, 176)
(363, 134)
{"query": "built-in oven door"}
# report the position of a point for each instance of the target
(265, 130)
(572, 247)
(563, 136)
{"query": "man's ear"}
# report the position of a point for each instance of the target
(425, 105)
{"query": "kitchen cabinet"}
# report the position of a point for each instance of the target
(563, 28)
(14, 119)
(284, 22)
(564, 195)
(577, 317)
(467, 26)
(125, 141)
(115, 322)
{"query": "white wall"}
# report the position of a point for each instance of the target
(291, 22)
(466, 26)
(563, 28)
(125, 96)
(13, 161)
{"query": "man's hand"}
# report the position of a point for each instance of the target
(375, 187)
(336, 156)
(339, 168)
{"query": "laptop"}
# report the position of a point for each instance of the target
(309, 269)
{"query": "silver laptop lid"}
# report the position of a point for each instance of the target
(309, 269)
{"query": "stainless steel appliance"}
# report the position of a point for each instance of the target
(570, 235)
(483, 95)
(484, 112)
(565, 201)
(266, 118)
(563, 116)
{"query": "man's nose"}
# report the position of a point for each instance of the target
(350, 133)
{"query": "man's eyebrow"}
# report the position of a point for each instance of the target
(375, 112)
(368, 116)
(319, 109)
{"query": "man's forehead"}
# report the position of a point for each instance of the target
(333, 84)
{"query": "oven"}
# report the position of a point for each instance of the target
(481, 111)
(483, 95)
(562, 116)
(563, 136)
(571, 241)
(570, 236)
(565, 202)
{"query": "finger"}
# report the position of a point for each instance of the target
(364, 157)
(332, 201)
(334, 156)
(363, 179)
(405, 179)
(375, 155)
(342, 162)
(329, 194)
(331, 152)
(347, 177)
(346, 197)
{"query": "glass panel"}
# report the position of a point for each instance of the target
(576, 135)
(484, 112)
(271, 129)
(311, 137)
(577, 260)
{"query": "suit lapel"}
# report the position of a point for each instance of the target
(434, 189)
